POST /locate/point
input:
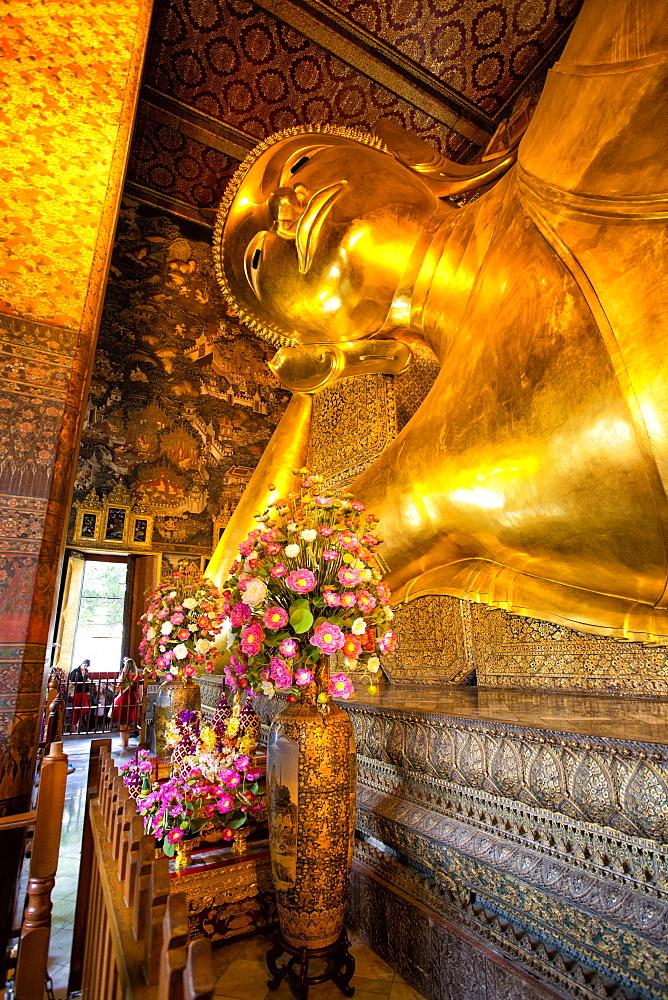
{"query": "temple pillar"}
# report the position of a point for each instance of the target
(71, 75)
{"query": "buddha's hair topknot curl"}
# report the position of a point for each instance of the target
(272, 334)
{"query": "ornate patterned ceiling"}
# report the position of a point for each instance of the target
(221, 74)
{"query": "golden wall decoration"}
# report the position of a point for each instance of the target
(115, 521)
(353, 421)
(65, 88)
(434, 642)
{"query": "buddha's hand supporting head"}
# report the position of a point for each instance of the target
(314, 235)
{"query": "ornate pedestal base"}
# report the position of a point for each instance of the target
(340, 965)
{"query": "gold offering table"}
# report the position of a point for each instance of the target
(228, 894)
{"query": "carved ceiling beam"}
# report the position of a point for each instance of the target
(195, 124)
(149, 196)
(383, 64)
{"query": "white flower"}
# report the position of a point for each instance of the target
(174, 669)
(389, 613)
(308, 534)
(190, 603)
(180, 651)
(292, 526)
(150, 634)
(202, 645)
(268, 689)
(255, 592)
(358, 626)
(373, 664)
(366, 575)
(166, 628)
(291, 551)
(172, 594)
(348, 663)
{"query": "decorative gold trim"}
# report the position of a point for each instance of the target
(383, 64)
(181, 209)
(269, 333)
(195, 124)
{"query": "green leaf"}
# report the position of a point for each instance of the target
(168, 848)
(301, 602)
(301, 620)
(234, 824)
(314, 657)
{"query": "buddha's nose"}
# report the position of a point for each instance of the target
(285, 208)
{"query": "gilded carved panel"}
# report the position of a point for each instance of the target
(434, 642)
(511, 651)
(353, 421)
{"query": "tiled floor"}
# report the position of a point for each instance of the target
(242, 975)
(241, 972)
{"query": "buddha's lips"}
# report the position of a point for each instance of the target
(311, 220)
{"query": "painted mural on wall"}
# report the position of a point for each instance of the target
(182, 403)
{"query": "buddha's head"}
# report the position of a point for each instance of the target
(314, 234)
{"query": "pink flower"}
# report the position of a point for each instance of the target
(326, 531)
(351, 647)
(177, 618)
(273, 548)
(365, 601)
(288, 647)
(275, 617)
(347, 539)
(175, 835)
(331, 599)
(241, 763)
(225, 803)
(347, 600)
(239, 614)
(246, 548)
(279, 672)
(301, 581)
(388, 642)
(327, 637)
(227, 834)
(349, 576)
(270, 535)
(251, 638)
(330, 555)
(237, 665)
(383, 592)
(183, 634)
(231, 778)
(303, 677)
(323, 501)
(278, 570)
(340, 686)
(253, 774)
(358, 506)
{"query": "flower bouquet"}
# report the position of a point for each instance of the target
(136, 773)
(307, 586)
(178, 810)
(182, 620)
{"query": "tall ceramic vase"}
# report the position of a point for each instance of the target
(311, 775)
(177, 693)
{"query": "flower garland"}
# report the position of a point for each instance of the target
(308, 585)
(183, 618)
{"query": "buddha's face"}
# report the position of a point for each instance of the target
(319, 235)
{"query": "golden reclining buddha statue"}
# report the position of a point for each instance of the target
(533, 476)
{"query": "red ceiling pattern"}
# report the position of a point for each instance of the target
(238, 64)
(483, 50)
(175, 165)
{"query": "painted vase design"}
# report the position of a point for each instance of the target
(311, 777)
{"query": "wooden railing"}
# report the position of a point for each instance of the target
(33, 951)
(134, 941)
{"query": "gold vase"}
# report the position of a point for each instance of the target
(184, 850)
(311, 774)
(177, 693)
